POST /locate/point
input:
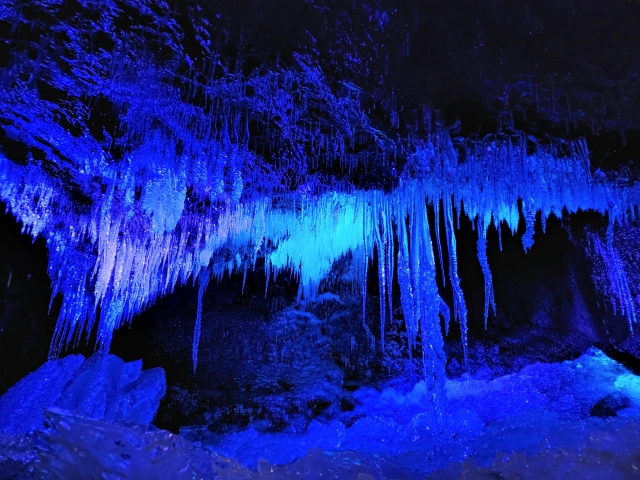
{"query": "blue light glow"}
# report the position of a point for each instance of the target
(202, 175)
(535, 411)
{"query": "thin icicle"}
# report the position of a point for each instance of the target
(459, 306)
(365, 243)
(436, 208)
(203, 280)
(390, 263)
(406, 288)
(381, 247)
(244, 276)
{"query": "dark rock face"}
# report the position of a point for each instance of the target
(260, 359)
(609, 406)
(26, 326)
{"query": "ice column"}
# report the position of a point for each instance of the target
(421, 302)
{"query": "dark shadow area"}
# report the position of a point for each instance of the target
(26, 327)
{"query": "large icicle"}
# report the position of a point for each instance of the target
(411, 317)
(380, 227)
(426, 299)
(486, 271)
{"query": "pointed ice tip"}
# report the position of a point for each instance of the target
(527, 241)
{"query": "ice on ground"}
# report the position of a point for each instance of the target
(75, 447)
(22, 405)
(83, 448)
(582, 450)
(107, 387)
(544, 406)
(103, 386)
(532, 424)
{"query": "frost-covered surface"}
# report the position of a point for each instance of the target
(22, 405)
(607, 449)
(103, 386)
(77, 447)
(592, 450)
(537, 410)
(538, 423)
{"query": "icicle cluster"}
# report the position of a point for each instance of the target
(118, 255)
(610, 277)
(203, 170)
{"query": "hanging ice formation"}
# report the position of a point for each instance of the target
(141, 249)
(610, 277)
(203, 280)
(206, 171)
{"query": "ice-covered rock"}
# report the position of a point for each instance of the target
(530, 424)
(102, 386)
(21, 407)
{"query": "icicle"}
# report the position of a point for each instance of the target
(390, 263)
(203, 280)
(380, 223)
(459, 306)
(436, 208)
(486, 271)
(443, 309)
(529, 218)
(267, 274)
(406, 289)
(244, 277)
(611, 278)
(191, 192)
(365, 243)
(426, 297)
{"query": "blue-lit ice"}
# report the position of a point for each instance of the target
(118, 255)
(536, 423)
(535, 411)
(204, 171)
(197, 193)
(121, 253)
(102, 386)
